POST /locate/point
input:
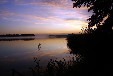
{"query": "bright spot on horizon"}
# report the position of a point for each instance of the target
(41, 17)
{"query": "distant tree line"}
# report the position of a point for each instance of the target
(16, 35)
(57, 36)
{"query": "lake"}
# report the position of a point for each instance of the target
(19, 54)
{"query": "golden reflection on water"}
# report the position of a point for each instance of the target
(19, 54)
(24, 51)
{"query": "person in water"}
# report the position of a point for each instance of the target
(39, 46)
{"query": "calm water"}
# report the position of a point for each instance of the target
(19, 54)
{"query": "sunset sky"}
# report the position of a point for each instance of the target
(41, 17)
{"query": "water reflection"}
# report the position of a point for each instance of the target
(19, 54)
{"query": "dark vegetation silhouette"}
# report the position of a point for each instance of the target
(16, 35)
(15, 39)
(54, 67)
(57, 36)
(95, 45)
(102, 11)
(15, 73)
(57, 67)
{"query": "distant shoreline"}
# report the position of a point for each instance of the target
(16, 35)
(57, 36)
(12, 37)
(15, 39)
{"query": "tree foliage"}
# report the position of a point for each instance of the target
(102, 9)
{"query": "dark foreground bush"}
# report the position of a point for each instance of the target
(96, 49)
(58, 67)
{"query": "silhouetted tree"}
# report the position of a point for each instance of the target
(102, 11)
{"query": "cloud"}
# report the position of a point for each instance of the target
(42, 20)
(50, 14)
(3, 1)
(4, 13)
(54, 6)
(36, 19)
(48, 2)
(59, 17)
(54, 3)
(72, 19)
(71, 15)
(78, 17)
(75, 22)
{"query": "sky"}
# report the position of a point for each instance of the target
(41, 17)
